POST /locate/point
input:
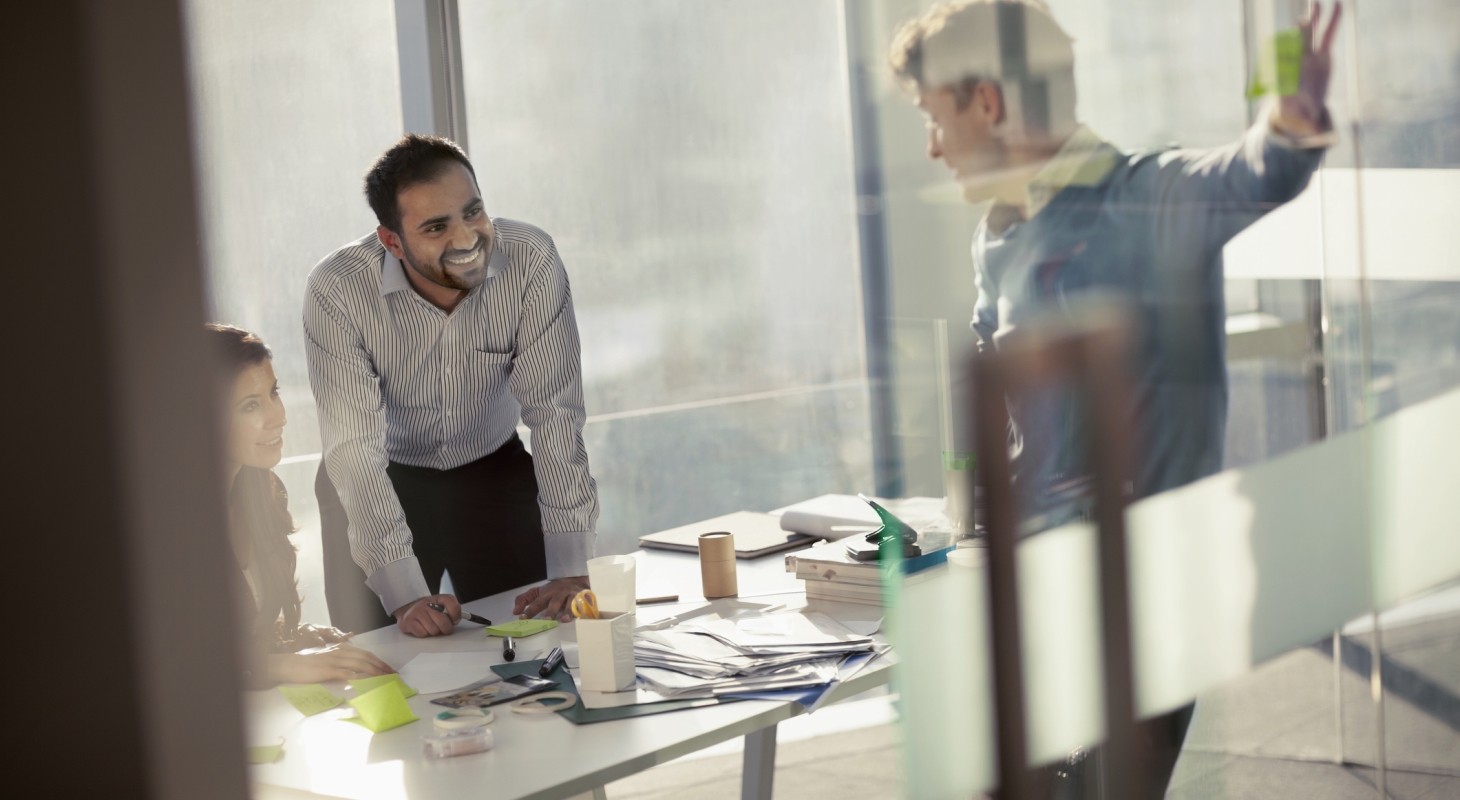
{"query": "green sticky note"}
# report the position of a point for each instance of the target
(310, 698)
(266, 754)
(519, 628)
(1279, 66)
(1287, 47)
(363, 685)
(382, 708)
(957, 459)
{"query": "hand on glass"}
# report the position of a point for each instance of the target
(1305, 112)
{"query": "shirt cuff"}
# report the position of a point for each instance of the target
(568, 553)
(1312, 141)
(398, 583)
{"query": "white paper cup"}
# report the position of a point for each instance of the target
(614, 583)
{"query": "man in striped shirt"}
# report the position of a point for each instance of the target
(428, 340)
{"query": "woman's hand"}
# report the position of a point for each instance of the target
(306, 635)
(333, 662)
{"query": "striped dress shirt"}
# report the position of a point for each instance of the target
(397, 379)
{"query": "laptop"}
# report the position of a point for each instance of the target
(755, 534)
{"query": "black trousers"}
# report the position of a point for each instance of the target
(480, 521)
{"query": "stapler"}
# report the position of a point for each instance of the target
(892, 530)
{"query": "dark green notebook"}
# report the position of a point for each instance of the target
(579, 715)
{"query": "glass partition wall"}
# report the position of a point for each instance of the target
(774, 288)
(1272, 593)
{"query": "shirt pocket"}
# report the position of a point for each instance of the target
(488, 373)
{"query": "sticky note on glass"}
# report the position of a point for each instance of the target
(265, 754)
(519, 628)
(363, 685)
(382, 708)
(1280, 65)
(310, 698)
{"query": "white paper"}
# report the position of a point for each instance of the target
(431, 673)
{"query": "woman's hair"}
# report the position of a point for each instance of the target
(260, 504)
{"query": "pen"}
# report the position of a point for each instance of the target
(480, 620)
(555, 657)
(509, 652)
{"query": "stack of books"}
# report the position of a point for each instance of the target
(831, 574)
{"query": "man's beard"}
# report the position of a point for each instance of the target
(443, 275)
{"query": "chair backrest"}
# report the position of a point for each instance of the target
(1086, 351)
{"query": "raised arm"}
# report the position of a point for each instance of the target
(1209, 196)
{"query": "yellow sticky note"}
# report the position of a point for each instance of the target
(310, 698)
(265, 754)
(382, 708)
(363, 685)
(520, 628)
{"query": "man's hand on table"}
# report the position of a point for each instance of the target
(550, 600)
(418, 618)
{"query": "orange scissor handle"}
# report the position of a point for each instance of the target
(584, 605)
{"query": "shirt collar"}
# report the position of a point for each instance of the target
(393, 273)
(1084, 160)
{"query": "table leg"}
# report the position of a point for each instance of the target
(760, 764)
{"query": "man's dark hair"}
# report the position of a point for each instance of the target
(414, 159)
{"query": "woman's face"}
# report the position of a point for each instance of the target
(256, 418)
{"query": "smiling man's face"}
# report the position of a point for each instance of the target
(446, 237)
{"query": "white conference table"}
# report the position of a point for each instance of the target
(533, 756)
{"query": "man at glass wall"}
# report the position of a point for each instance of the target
(1068, 215)
(428, 340)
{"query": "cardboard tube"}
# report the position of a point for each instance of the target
(717, 564)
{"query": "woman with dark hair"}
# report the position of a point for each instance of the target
(283, 649)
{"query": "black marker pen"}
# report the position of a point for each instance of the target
(553, 660)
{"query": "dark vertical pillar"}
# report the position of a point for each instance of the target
(118, 634)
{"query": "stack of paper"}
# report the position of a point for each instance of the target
(714, 656)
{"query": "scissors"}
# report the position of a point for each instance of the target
(584, 605)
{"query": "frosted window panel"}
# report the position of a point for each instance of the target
(693, 163)
(292, 103)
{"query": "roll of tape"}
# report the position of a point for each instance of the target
(532, 704)
(463, 719)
